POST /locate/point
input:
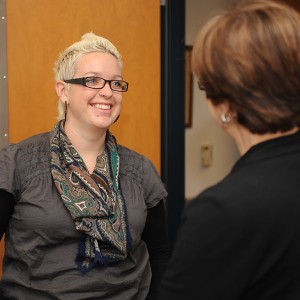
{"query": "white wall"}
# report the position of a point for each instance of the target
(204, 129)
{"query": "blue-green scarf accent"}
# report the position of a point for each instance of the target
(94, 201)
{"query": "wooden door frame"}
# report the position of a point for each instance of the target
(3, 78)
(172, 109)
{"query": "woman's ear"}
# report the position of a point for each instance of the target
(224, 107)
(61, 90)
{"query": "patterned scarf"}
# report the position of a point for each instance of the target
(95, 202)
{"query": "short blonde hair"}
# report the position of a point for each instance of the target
(249, 56)
(65, 66)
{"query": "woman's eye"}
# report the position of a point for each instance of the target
(92, 80)
(117, 83)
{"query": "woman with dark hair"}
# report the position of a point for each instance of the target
(240, 239)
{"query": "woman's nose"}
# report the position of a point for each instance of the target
(106, 90)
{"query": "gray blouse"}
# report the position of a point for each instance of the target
(41, 242)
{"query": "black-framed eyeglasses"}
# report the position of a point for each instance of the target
(98, 83)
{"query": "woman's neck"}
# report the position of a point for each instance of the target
(88, 143)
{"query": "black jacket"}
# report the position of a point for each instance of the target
(241, 238)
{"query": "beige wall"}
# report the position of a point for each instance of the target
(204, 130)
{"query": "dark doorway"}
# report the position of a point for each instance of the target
(172, 97)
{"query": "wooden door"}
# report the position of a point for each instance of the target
(38, 30)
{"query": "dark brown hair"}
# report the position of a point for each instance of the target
(250, 57)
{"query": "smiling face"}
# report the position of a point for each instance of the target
(91, 109)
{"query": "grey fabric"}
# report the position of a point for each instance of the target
(41, 241)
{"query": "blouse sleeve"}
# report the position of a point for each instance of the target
(6, 209)
(142, 172)
(154, 190)
(155, 232)
(9, 180)
(155, 236)
(8, 184)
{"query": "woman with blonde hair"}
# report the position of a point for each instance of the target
(83, 216)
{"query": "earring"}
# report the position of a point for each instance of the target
(66, 109)
(225, 118)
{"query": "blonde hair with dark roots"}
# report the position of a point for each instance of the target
(250, 57)
(65, 66)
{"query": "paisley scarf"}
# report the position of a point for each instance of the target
(94, 201)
